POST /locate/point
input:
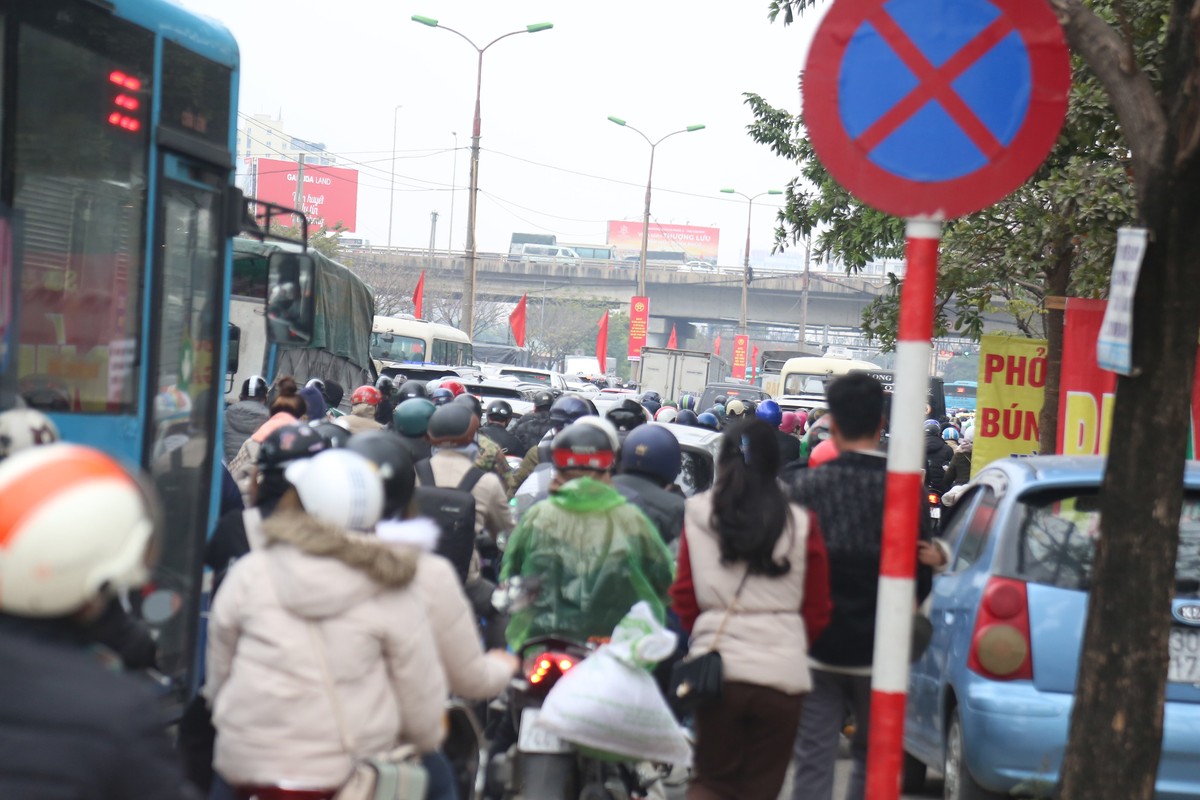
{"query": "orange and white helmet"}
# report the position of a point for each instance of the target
(25, 427)
(73, 523)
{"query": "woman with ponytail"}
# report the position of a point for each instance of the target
(752, 584)
(287, 407)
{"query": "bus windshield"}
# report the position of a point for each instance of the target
(800, 383)
(395, 347)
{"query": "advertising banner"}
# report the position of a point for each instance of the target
(1114, 346)
(330, 193)
(741, 353)
(639, 318)
(1012, 381)
(697, 243)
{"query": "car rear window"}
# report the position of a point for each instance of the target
(530, 377)
(1057, 540)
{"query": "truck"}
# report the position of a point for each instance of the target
(673, 373)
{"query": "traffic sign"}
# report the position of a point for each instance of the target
(935, 108)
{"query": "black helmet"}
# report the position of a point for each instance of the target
(566, 410)
(652, 450)
(452, 423)
(410, 389)
(585, 447)
(708, 420)
(542, 399)
(721, 400)
(471, 402)
(686, 417)
(287, 444)
(386, 451)
(334, 435)
(411, 417)
(626, 415)
(441, 397)
(499, 411)
(652, 396)
(386, 386)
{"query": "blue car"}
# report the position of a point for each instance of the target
(990, 699)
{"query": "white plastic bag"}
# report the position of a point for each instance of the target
(610, 702)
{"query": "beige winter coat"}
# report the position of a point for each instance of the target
(274, 717)
(491, 501)
(764, 641)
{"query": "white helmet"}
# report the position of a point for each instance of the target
(339, 487)
(604, 425)
(25, 427)
(72, 524)
(666, 414)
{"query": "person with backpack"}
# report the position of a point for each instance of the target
(530, 428)
(937, 457)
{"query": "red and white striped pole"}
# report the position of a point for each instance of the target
(901, 512)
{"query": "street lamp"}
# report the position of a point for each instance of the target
(453, 191)
(468, 316)
(746, 263)
(392, 194)
(649, 179)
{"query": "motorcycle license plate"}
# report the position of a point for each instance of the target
(1185, 656)
(536, 739)
(935, 512)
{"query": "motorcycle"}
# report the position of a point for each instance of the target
(934, 500)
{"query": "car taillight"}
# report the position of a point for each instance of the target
(1000, 645)
(545, 669)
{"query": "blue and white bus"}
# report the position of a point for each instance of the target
(960, 395)
(117, 210)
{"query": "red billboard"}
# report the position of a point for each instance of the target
(696, 243)
(330, 193)
(639, 318)
(741, 352)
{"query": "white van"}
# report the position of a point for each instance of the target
(547, 253)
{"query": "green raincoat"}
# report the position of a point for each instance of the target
(594, 554)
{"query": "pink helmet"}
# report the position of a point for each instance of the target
(823, 453)
(788, 425)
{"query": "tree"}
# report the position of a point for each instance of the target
(1144, 56)
(326, 241)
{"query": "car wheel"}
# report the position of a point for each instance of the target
(959, 783)
(914, 774)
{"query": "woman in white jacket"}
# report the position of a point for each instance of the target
(320, 589)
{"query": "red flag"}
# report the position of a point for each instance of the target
(717, 345)
(672, 343)
(516, 321)
(602, 344)
(419, 297)
(754, 364)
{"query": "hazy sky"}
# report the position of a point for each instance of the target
(337, 70)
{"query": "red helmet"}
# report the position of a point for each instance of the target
(455, 387)
(366, 394)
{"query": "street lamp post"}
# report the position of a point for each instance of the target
(649, 180)
(392, 191)
(746, 263)
(453, 191)
(468, 300)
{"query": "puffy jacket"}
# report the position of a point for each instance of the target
(509, 443)
(242, 465)
(271, 707)
(595, 556)
(72, 727)
(361, 419)
(937, 458)
(531, 428)
(959, 471)
(665, 509)
(242, 419)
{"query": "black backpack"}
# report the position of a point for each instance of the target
(453, 509)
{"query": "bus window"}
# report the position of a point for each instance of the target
(80, 178)
(452, 354)
(805, 384)
(393, 347)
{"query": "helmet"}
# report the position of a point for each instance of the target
(587, 446)
(789, 422)
(652, 396)
(666, 414)
(542, 399)
(319, 385)
(721, 400)
(686, 417)
(769, 412)
(709, 420)
(689, 402)
(385, 385)
(719, 410)
(823, 453)
(452, 424)
(653, 450)
(76, 522)
(366, 394)
(456, 388)
(333, 435)
(614, 437)
(471, 402)
(289, 443)
(25, 427)
(735, 408)
(411, 417)
(933, 425)
(566, 410)
(411, 389)
(499, 411)
(950, 435)
(441, 397)
(340, 487)
(255, 386)
(626, 415)
(385, 450)
(651, 403)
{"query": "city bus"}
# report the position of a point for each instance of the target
(117, 210)
(408, 340)
(960, 395)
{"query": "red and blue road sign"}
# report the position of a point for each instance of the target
(935, 108)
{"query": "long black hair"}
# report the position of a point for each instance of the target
(750, 510)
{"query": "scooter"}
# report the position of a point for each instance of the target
(934, 499)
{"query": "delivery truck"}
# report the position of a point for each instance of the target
(676, 372)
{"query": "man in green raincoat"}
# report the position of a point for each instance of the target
(592, 554)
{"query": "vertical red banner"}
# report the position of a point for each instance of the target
(754, 363)
(602, 344)
(741, 353)
(639, 319)
(516, 321)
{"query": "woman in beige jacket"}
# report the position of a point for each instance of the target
(320, 589)
(752, 583)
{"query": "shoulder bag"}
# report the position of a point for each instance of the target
(697, 681)
(392, 775)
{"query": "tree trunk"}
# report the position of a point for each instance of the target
(1117, 724)
(1058, 277)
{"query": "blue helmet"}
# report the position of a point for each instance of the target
(719, 410)
(689, 402)
(770, 412)
(440, 396)
(686, 417)
(566, 410)
(950, 434)
(708, 420)
(652, 450)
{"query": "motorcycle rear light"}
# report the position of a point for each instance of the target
(1001, 647)
(547, 668)
(932, 498)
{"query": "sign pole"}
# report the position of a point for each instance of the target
(901, 512)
